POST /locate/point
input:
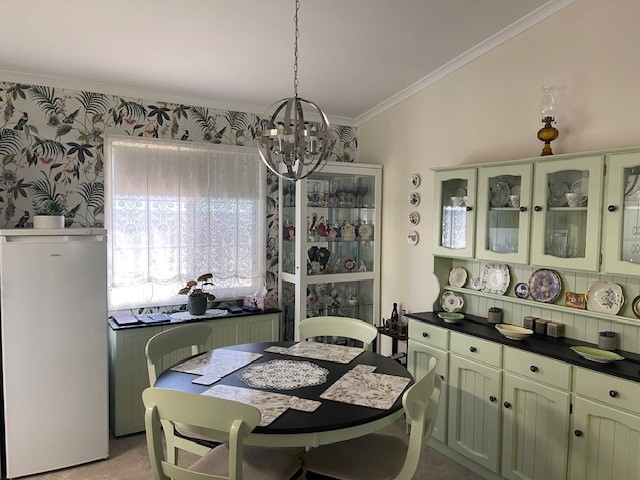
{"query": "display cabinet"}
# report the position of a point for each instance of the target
(329, 245)
(454, 214)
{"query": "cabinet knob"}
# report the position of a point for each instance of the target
(537, 208)
(473, 349)
(613, 394)
(578, 433)
(533, 368)
(469, 208)
(493, 399)
(425, 334)
(612, 208)
(523, 209)
(507, 405)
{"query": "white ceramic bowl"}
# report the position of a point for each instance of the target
(513, 332)
(451, 317)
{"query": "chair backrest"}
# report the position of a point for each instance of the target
(232, 422)
(339, 327)
(191, 335)
(420, 403)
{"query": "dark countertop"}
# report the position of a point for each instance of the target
(115, 326)
(557, 348)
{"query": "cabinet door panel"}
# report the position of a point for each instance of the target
(419, 356)
(225, 332)
(609, 443)
(535, 430)
(474, 419)
(261, 328)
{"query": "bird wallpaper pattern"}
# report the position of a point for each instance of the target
(51, 148)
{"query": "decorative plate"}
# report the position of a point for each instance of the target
(604, 297)
(414, 180)
(596, 354)
(495, 278)
(476, 283)
(451, 302)
(513, 332)
(580, 186)
(350, 264)
(452, 317)
(575, 300)
(521, 290)
(460, 192)
(414, 218)
(500, 194)
(544, 285)
(457, 277)
(515, 190)
(414, 199)
(412, 237)
(635, 306)
(365, 231)
(556, 194)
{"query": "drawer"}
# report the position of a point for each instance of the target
(476, 349)
(604, 388)
(428, 334)
(538, 368)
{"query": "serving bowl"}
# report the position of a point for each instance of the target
(451, 317)
(513, 332)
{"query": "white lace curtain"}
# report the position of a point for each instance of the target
(176, 210)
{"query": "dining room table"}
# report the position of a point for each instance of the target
(309, 393)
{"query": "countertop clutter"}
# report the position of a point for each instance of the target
(557, 348)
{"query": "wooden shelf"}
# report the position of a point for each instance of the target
(394, 335)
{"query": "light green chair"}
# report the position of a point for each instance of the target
(377, 456)
(192, 335)
(338, 327)
(231, 421)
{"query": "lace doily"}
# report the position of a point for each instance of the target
(284, 375)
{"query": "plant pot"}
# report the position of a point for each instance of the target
(48, 221)
(197, 304)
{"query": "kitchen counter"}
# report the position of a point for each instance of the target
(557, 348)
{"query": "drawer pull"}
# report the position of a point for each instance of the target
(523, 209)
(493, 399)
(533, 368)
(507, 405)
(612, 208)
(613, 394)
(473, 349)
(537, 208)
(578, 433)
(425, 334)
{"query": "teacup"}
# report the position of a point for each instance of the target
(575, 199)
(514, 200)
(458, 201)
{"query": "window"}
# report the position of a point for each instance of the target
(176, 210)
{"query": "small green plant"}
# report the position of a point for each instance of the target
(197, 287)
(48, 207)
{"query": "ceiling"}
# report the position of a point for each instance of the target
(356, 57)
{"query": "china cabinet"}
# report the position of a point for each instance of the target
(329, 245)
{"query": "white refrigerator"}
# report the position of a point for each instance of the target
(53, 319)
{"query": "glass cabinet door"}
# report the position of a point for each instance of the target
(566, 218)
(502, 231)
(622, 215)
(453, 216)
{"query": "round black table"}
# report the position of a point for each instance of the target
(330, 422)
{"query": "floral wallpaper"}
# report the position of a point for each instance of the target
(51, 148)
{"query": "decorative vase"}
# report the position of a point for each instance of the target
(48, 221)
(197, 304)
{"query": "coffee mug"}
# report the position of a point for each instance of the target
(514, 200)
(458, 201)
(575, 199)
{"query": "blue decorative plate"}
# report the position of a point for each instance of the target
(521, 290)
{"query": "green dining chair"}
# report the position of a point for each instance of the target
(192, 336)
(232, 421)
(338, 326)
(378, 456)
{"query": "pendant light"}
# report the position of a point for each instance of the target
(291, 147)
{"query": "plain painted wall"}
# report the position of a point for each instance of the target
(488, 111)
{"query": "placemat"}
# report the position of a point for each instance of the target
(213, 312)
(361, 386)
(217, 363)
(271, 405)
(284, 374)
(319, 351)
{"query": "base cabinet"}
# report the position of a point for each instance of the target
(474, 412)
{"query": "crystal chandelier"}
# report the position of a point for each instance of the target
(289, 146)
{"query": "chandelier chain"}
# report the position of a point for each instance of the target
(295, 51)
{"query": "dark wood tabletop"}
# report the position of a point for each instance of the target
(329, 416)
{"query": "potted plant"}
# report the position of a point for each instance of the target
(197, 297)
(48, 214)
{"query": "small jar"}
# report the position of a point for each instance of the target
(541, 326)
(529, 322)
(494, 315)
(555, 329)
(607, 340)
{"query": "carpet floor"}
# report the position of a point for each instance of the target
(128, 460)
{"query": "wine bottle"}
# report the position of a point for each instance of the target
(394, 318)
